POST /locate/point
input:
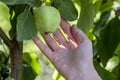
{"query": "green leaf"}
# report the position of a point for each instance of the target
(25, 26)
(4, 11)
(67, 9)
(97, 5)
(101, 23)
(106, 6)
(109, 40)
(29, 2)
(115, 74)
(105, 75)
(117, 51)
(0, 41)
(9, 78)
(4, 16)
(112, 63)
(4, 71)
(32, 60)
(27, 73)
(3, 57)
(87, 15)
(15, 11)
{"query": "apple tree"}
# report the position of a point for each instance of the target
(21, 20)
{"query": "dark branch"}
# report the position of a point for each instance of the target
(6, 40)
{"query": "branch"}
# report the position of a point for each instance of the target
(6, 40)
(16, 53)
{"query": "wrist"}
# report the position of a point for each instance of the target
(88, 73)
(75, 77)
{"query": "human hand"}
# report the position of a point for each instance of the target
(73, 58)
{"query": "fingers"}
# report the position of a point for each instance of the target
(50, 42)
(66, 28)
(60, 38)
(78, 34)
(45, 49)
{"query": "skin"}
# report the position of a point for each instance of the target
(73, 58)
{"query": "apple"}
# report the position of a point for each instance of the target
(47, 19)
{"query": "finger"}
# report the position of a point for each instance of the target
(50, 41)
(45, 49)
(66, 28)
(60, 38)
(78, 34)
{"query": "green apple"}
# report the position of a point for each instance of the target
(47, 19)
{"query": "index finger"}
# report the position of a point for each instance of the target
(45, 49)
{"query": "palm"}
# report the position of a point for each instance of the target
(66, 58)
(66, 55)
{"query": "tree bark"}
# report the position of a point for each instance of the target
(16, 51)
(16, 60)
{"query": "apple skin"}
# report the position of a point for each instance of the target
(47, 19)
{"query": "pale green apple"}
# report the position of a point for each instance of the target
(47, 19)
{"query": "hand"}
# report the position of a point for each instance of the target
(73, 58)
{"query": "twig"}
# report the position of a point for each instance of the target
(6, 40)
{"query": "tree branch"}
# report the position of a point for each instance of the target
(16, 53)
(6, 40)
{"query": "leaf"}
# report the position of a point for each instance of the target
(0, 41)
(4, 16)
(87, 15)
(117, 51)
(4, 11)
(115, 74)
(112, 63)
(107, 6)
(105, 75)
(109, 40)
(27, 73)
(25, 26)
(9, 78)
(15, 11)
(67, 9)
(97, 5)
(29, 2)
(3, 57)
(4, 71)
(101, 23)
(32, 60)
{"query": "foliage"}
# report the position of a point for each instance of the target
(25, 19)
(99, 19)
